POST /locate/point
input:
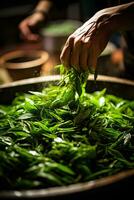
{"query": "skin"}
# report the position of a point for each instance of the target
(33, 20)
(83, 47)
(26, 26)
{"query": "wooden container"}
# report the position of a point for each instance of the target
(22, 64)
(115, 186)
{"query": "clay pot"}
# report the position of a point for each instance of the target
(22, 64)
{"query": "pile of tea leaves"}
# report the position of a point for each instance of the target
(63, 136)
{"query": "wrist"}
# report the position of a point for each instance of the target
(109, 19)
(43, 7)
(44, 13)
(120, 17)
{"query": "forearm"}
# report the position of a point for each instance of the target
(120, 17)
(44, 6)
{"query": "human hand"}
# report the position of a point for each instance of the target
(31, 22)
(83, 47)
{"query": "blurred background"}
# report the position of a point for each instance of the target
(15, 52)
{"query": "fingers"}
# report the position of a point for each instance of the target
(85, 45)
(80, 50)
(77, 53)
(65, 56)
(85, 56)
(92, 59)
(27, 33)
(26, 26)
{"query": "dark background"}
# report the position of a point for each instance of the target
(11, 13)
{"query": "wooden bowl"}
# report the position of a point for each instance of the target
(22, 64)
(118, 186)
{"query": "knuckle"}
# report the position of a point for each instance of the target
(86, 41)
(77, 42)
(70, 39)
